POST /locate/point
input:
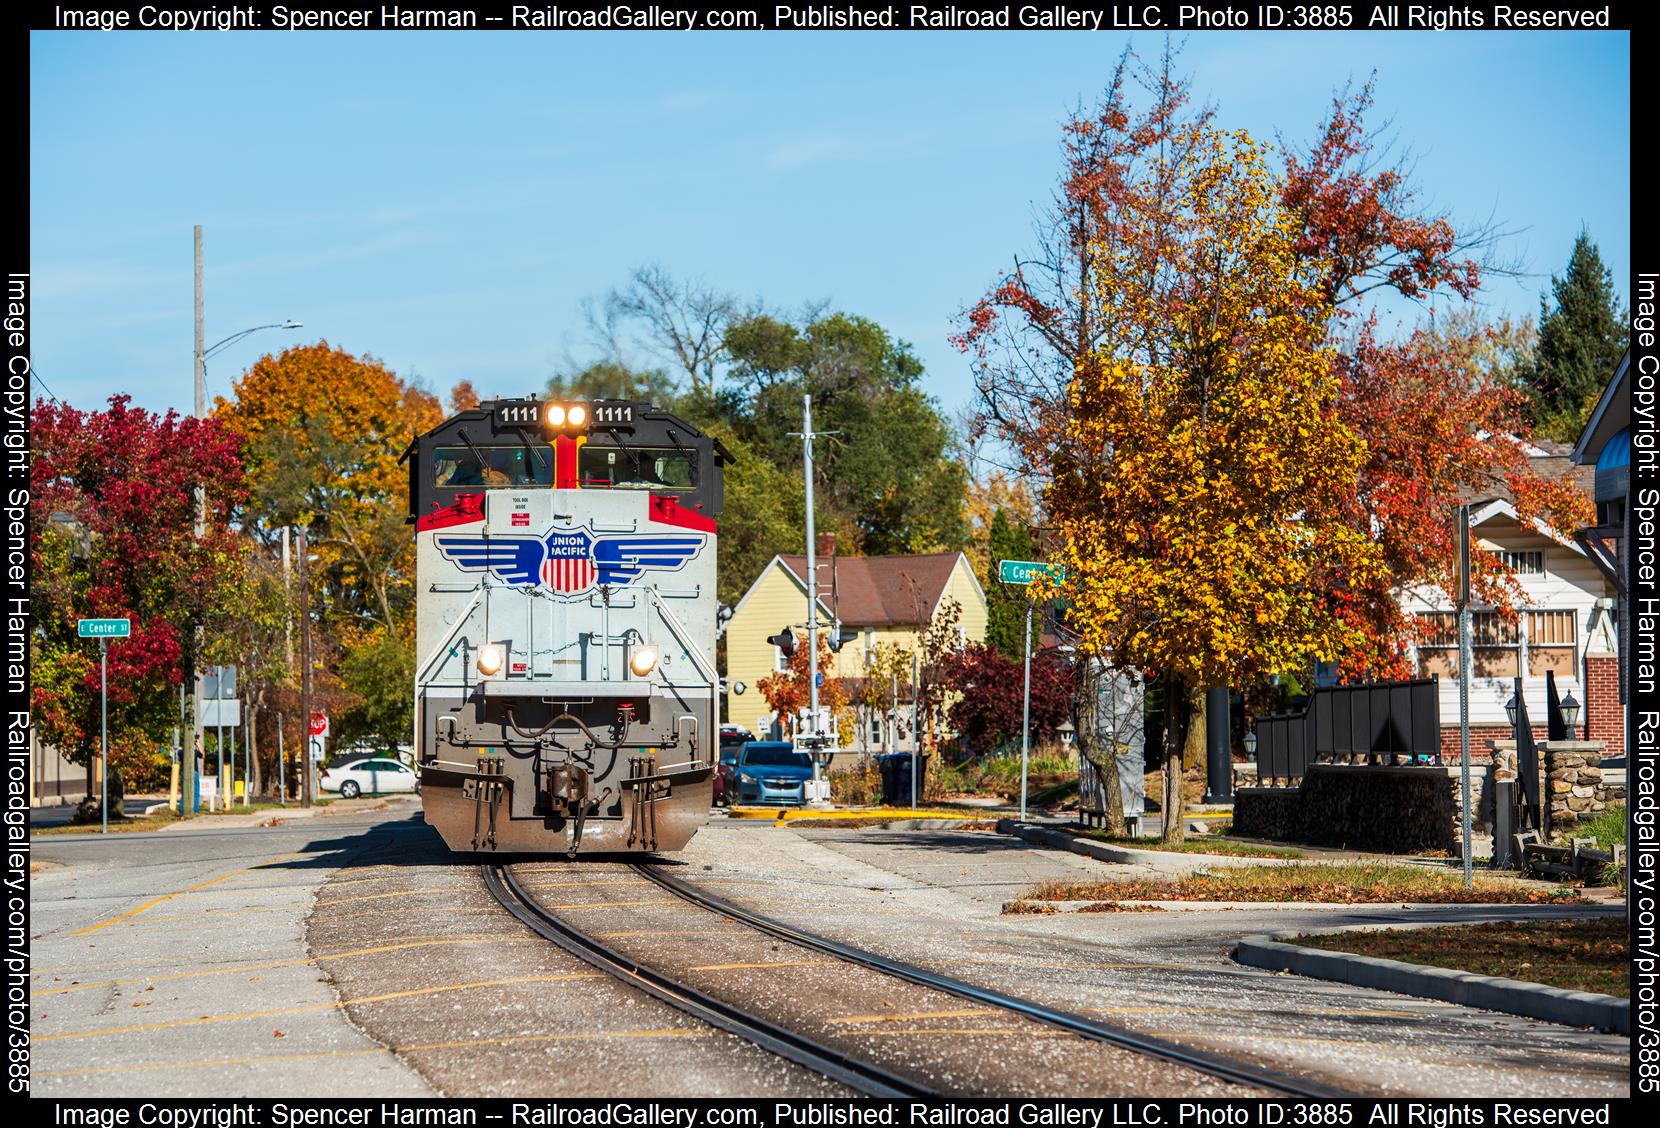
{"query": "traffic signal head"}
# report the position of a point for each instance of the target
(784, 640)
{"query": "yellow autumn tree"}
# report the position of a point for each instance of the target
(1192, 482)
(325, 430)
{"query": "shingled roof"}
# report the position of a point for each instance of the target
(879, 591)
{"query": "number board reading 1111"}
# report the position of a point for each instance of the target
(1027, 571)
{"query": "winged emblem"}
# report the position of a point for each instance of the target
(622, 559)
(570, 561)
(517, 560)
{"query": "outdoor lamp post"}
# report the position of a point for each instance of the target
(1251, 743)
(1510, 711)
(1067, 733)
(1570, 713)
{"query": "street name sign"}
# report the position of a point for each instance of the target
(1027, 571)
(105, 628)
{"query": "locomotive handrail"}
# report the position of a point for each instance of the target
(466, 613)
(705, 667)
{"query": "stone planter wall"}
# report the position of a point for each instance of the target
(1574, 786)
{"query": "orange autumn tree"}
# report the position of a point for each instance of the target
(1204, 425)
(325, 431)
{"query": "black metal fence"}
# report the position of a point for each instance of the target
(1380, 723)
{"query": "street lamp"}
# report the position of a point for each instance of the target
(1066, 732)
(1251, 743)
(1570, 713)
(1510, 710)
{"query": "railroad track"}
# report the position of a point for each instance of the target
(860, 1072)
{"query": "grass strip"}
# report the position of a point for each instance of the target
(1207, 844)
(1576, 955)
(1318, 882)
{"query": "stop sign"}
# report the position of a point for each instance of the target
(319, 724)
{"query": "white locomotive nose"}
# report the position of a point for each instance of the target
(490, 659)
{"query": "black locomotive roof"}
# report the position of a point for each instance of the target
(647, 424)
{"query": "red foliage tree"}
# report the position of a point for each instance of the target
(989, 691)
(112, 535)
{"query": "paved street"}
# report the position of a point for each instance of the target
(348, 955)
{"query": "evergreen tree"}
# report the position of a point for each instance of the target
(1006, 603)
(1582, 333)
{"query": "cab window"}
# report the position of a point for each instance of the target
(519, 465)
(636, 468)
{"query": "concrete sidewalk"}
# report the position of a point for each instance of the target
(176, 965)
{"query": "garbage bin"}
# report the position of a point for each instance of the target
(896, 777)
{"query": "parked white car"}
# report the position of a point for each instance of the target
(369, 777)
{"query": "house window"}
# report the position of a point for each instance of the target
(780, 664)
(876, 731)
(1544, 640)
(1552, 644)
(1495, 646)
(1525, 563)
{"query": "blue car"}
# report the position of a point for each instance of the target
(772, 771)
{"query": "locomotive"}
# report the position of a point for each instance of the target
(565, 685)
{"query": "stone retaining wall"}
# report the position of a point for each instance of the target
(1416, 810)
(1386, 810)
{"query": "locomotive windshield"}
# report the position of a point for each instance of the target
(636, 468)
(501, 466)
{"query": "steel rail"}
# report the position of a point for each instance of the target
(866, 1077)
(1122, 1037)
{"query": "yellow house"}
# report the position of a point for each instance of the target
(873, 600)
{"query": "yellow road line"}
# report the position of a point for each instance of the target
(169, 896)
(654, 933)
(412, 1047)
(476, 938)
(620, 904)
(196, 917)
(970, 1013)
(331, 1005)
(1022, 1031)
(354, 898)
(775, 963)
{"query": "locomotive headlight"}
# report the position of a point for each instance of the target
(491, 657)
(556, 415)
(643, 660)
(577, 415)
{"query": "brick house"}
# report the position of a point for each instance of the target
(1567, 624)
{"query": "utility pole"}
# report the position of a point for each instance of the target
(187, 759)
(817, 739)
(305, 670)
(812, 569)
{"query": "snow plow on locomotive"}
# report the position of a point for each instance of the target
(565, 687)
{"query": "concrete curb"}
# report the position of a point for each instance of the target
(1485, 992)
(1125, 855)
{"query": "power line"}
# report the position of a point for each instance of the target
(34, 378)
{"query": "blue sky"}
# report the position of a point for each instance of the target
(446, 201)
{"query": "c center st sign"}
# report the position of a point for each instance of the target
(1027, 571)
